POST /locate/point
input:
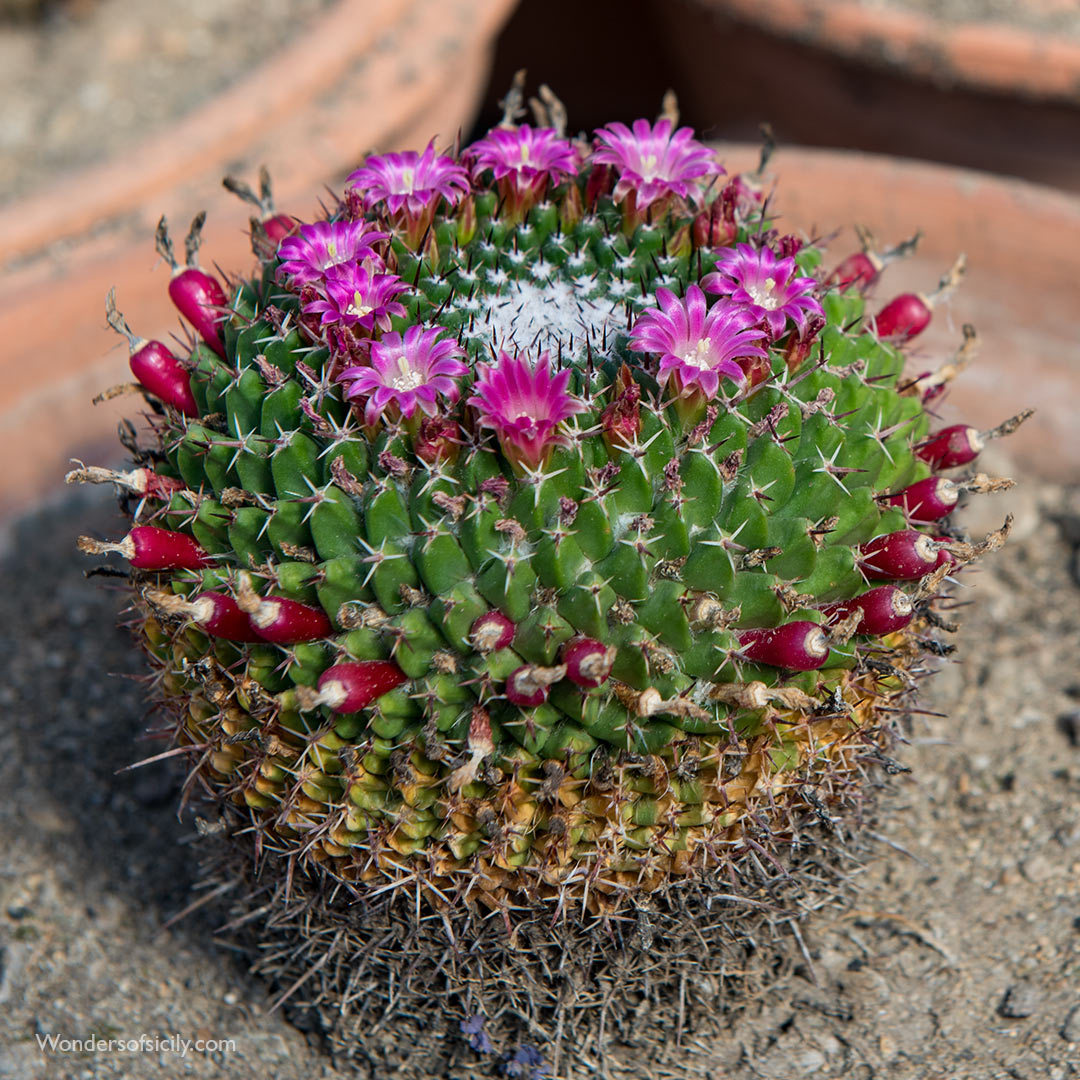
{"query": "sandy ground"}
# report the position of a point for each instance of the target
(960, 959)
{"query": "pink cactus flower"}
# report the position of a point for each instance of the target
(523, 162)
(653, 163)
(764, 286)
(525, 407)
(307, 256)
(409, 181)
(356, 294)
(697, 345)
(406, 373)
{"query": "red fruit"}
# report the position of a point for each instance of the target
(279, 226)
(799, 646)
(219, 615)
(491, 632)
(287, 622)
(520, 690)
(147, 547)
(588, 662)
(909, 314)
(927, 500)
(197, 296)
(862, 269)
(905, 317)
(906, 555)
(153, 365)
(529, 685)
(163, 375)
(163, 549)
(202, 301)
(349, 687)
(952, 446)
(884, 610)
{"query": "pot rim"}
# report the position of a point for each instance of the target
(224, 128)
(987, 55)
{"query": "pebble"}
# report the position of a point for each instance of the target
(1020, 1000)
(1068, 724)
(1070, 1030)
(1038, 868)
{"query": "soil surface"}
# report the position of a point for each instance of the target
(960, 959)
(94, 76)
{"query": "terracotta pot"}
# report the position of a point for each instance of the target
(732, 68)
(988, 55)
(1021, 242)
(385, 74)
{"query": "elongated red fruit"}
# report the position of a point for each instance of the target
(909, 314)
(201, 300)
(197, 295)
(215, 613)
(278, 226)
(959, 444)
(905, 317)
(588, 662)
(147, 547)
(153, 364)
(884, 610)
(164, 376)
(905, 555)
(280, 620)
(352, 686)
(927, 500)
(799, 646)
(163, 549)
(288, 622)
(220, 616)
(861, 268)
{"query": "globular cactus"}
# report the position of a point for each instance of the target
(538, 532)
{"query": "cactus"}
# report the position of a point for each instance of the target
(538, 534)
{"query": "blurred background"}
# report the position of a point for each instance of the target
(960, 117)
